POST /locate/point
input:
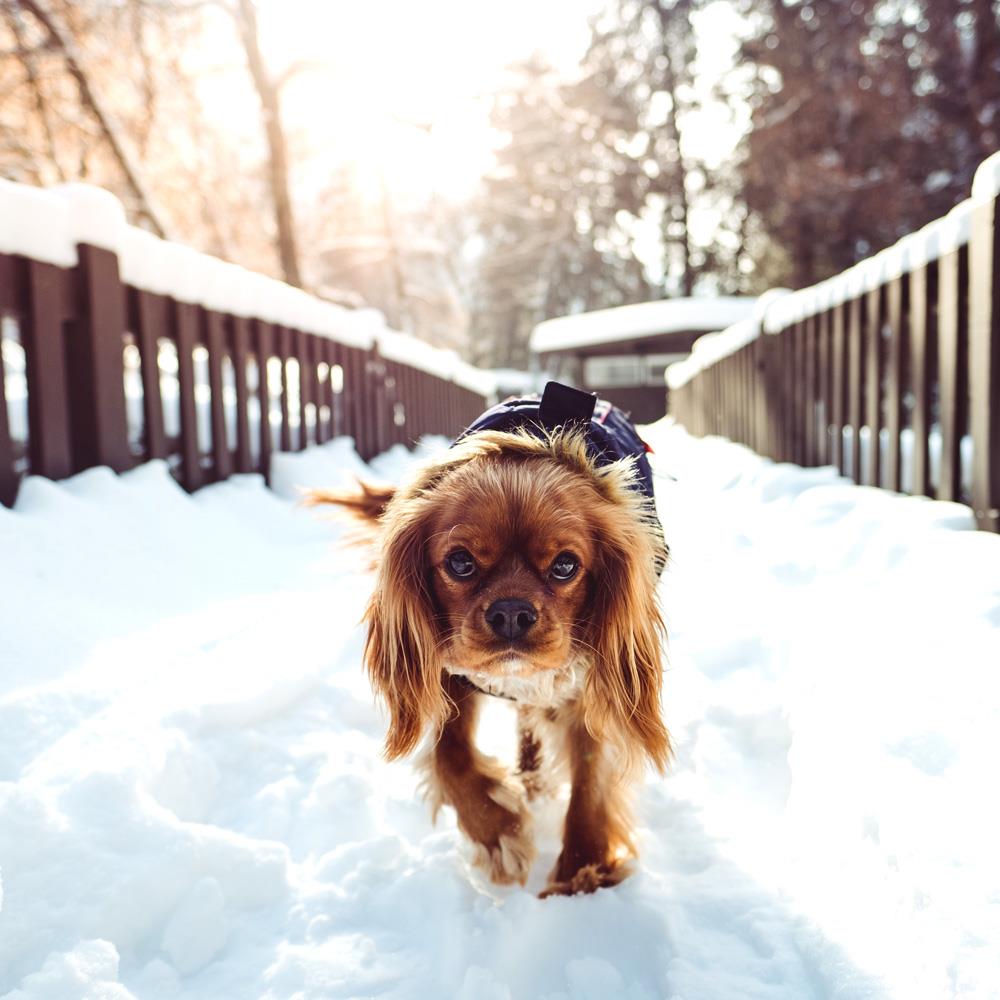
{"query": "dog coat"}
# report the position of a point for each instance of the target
(610, 435)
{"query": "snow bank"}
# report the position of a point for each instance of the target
(837, 705)
(193, 804)
(333, 465)
(642, 319)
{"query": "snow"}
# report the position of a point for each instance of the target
(48, 225)
(93, 216)
(192, 801)
(425, 357)
(986, 182)
(642, 319)
(34, 224)
(334, 465)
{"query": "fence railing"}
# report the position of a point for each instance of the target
(889, 371)
(118, 347)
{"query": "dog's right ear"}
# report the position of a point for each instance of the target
(402, 650)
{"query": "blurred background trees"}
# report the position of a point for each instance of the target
(684, 147)
(867, 119)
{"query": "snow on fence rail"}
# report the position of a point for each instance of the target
(119, 347)
(903, 349)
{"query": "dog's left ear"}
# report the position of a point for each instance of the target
(626, 633)
(403, 641)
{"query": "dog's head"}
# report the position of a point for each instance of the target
(515, 555)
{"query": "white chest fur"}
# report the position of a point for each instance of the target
(542, 689)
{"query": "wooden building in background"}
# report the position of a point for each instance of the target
(621, 353)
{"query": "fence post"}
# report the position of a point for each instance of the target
(215, 341)
(896, 298)
(873, 417)
(953, 325)
(151, 325)
(94, 374)
(824, 383)
(309, 388)
(784, 357)
(334, 355)
(923, 294)
(984, 363)
(761, 444)
(809, 368)
(186, 332)
(838, 387)
(240, 342)
(8, 476)
(856, 320)
(42, 336)
(283, 339)
(771, 359)
(263, 332)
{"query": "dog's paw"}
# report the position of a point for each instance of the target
(503, 835)
(589, 878)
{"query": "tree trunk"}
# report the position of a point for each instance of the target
(267, 91)
(669, 81)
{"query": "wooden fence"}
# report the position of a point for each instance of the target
(890, 371)
(98, 371)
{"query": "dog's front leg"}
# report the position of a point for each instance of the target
(597, 843)
(489, 805)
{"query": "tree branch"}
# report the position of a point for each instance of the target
(92, 103)
(27, 59)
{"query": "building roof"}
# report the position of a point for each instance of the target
(638, 322)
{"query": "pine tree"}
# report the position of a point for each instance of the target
(554, 212)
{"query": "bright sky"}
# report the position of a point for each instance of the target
(402, 88)
(383, 65)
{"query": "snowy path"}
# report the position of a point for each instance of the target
(192, 802)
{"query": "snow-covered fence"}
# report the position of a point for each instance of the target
(119, 347)
(889, 371)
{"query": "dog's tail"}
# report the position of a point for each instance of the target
(365, 505)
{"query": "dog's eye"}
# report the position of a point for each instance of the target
(460, 563)
(564, 566)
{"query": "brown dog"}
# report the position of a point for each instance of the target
(518, 567)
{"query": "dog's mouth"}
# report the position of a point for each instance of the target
(510, 661)
(522, 657)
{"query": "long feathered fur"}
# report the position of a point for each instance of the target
(614, 722)
(622, 693)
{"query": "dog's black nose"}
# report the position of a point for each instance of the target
(510, 618)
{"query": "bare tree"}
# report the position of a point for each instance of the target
(268, 90)
(28, 58)
(61, 43)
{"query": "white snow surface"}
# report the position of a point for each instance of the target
(193, 803)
